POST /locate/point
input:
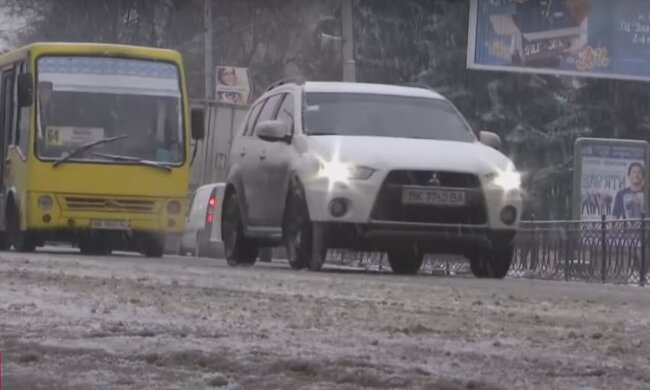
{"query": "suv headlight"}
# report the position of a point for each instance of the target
(337, 171)
(507, 180)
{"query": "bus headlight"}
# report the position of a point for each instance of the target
(174, 207)
(45, 202)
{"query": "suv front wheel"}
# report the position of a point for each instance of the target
(405, 259)
(493, 263)
(238, 249)
(305, 241)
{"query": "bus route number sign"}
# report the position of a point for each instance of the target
(53, 136)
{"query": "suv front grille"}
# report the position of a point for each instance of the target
(389, 207)
(110, 204)
(423, 178)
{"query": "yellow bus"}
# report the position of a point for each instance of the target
(95, 147)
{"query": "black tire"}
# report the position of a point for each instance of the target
(238, 249)
(20, 240)
(4, 244)
(298, 232)
(181, 250)
(154, 247)
(95, 246)
(405, 260)
(203, 246)
(492, 263)
(266, 255)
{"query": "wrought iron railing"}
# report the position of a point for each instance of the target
(594, 251)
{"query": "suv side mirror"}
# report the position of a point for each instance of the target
(25, 90)
(272, 131)
(490, 139)
(198, 123)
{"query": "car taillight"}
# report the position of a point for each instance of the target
(212, 204)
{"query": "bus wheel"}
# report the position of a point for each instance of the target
(94, 246)
(153, 247)
(4, 244)
(21, 241)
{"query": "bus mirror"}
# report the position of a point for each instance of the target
(25, 90)
(198, 124)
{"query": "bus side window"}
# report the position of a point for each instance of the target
(7, 107)
(22, 118)
(21, 114)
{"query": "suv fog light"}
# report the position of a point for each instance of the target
(45, 202)
(174, 207)
(509, 215)
(338, 207)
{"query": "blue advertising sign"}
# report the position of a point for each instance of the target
(594, 38)
(610, 179)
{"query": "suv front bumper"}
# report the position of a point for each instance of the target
(365, 199)
(381, 235)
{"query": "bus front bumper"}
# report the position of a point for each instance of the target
(105, 213)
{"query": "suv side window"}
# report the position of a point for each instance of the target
(252, 119)
(270, 109)
(286, 112)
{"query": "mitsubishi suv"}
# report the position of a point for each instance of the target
(368, 167)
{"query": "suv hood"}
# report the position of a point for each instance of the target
(387, 153)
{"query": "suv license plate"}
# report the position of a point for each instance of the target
(107, 224)
(433, 197)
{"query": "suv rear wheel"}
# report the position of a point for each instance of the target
(238, 249)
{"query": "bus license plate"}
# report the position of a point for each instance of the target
(426, 197)
(107, 224)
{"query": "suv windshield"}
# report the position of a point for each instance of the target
(82, 100)
(384, 116)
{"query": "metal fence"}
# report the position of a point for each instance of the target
(600, 251)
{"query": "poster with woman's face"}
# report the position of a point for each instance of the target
(233, 85)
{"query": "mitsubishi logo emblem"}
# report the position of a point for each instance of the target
(434, 180)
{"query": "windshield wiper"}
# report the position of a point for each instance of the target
(136, 160)
(322, 133)
(87, 146)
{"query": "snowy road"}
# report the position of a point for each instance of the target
(73, 322)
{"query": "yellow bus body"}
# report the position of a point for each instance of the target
(84, 192)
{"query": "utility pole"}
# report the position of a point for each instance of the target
(349, 65)
(209, 55)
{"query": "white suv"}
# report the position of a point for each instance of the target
(324, 165)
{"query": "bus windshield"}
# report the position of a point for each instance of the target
(82, 100)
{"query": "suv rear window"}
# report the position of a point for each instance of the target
(384, 116)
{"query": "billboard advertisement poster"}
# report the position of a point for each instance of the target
(610, 179)
(594, 38)
(233, 85)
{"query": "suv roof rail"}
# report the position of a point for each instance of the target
(289, 80)
(416, 84)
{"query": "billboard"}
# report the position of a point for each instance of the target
(594, 38)
(610, 179)
(233, 85)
